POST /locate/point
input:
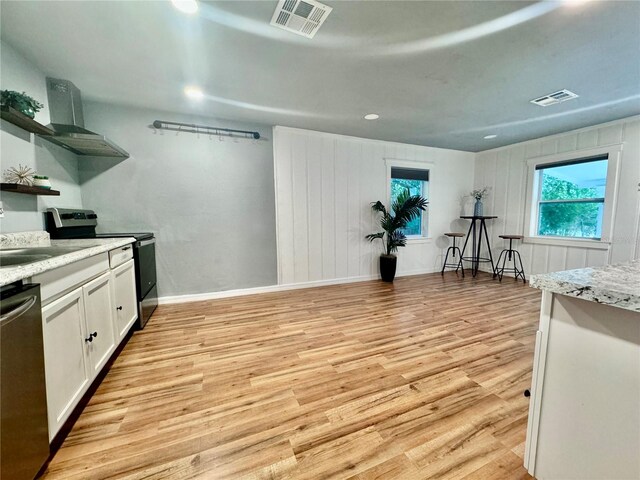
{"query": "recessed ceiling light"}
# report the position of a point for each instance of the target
(186, 6)
(194, 92)
(489, 137)
(371, 116)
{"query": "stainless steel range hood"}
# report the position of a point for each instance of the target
(67, 122)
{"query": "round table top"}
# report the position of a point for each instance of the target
(481, 217)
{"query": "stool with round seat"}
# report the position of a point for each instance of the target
(509, 254)
(453, 249)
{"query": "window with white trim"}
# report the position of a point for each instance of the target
(570, 198)
(417, 181)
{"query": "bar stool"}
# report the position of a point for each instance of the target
(453, 250)
(507, 254)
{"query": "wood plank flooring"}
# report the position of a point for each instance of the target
(418, 379)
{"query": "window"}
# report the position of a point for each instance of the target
(417, 181)
(571, 198)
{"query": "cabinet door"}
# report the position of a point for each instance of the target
(98, 307)
(126, 303)
(67, 372)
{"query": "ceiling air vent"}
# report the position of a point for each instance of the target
(553, 98)
(303, 17)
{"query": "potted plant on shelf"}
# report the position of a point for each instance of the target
(41, 181)
(405, 208)
(21, 102)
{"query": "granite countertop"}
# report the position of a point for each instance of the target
(89, 248)
(617, 285)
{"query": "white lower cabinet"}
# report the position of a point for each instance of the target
(66, 360)
(124, 292)
(98, 308)
(92, 310)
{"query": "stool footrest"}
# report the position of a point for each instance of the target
(512, 256)
(458, 266)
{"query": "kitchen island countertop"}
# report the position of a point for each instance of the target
(617, 285)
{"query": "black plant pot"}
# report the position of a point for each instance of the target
(388, 267)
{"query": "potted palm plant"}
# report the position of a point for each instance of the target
(405, 208)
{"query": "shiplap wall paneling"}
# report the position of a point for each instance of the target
(329, 244)
(325, 184)
(284, 200)
(627, 219)
(505, 171)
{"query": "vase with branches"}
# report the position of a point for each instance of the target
(479, 194)
(403, 210)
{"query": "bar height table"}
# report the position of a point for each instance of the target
(475, 257)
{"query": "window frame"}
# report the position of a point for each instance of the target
(428, 166)
(533, 201)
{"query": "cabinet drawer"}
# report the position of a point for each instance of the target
(120, 255)
(54, 283)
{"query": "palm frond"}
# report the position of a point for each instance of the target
(378, 207)
(395, 240)
(405, 208)
(375, 236)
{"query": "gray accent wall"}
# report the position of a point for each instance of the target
(18, 147)
(209, 202)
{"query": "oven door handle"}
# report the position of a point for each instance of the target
(144, 243)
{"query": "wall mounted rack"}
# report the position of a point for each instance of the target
(204, 129)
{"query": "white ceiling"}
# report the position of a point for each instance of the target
(443, 74)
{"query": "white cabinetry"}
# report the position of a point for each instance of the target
(584, 416)
(124, 292)
(65, 354)
(88, 310)
(98, 308)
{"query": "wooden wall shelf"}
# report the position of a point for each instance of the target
(12, 115)
(29, 190)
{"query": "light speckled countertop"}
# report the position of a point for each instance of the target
(90, 247)
(617, 285)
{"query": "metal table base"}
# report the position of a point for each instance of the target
(476, 234)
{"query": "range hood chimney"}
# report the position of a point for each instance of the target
(67, 122)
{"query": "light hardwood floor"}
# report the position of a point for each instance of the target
(418, 379)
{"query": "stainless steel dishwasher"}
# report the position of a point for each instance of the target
(24, 439)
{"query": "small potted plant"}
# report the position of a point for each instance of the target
(479, 194)
(405, 208)
(41, 181)
(21, 102)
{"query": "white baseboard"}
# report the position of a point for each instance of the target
(198, 297)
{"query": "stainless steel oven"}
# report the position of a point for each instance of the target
(144, 253)
(75, 223)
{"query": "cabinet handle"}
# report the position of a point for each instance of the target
(527, 393)
(91, 337)
(125, 248)
(119, 308)
(95, 334)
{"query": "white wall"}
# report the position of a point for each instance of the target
(24, 212)
(505, 170)
(324, 186)
(210, 203)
